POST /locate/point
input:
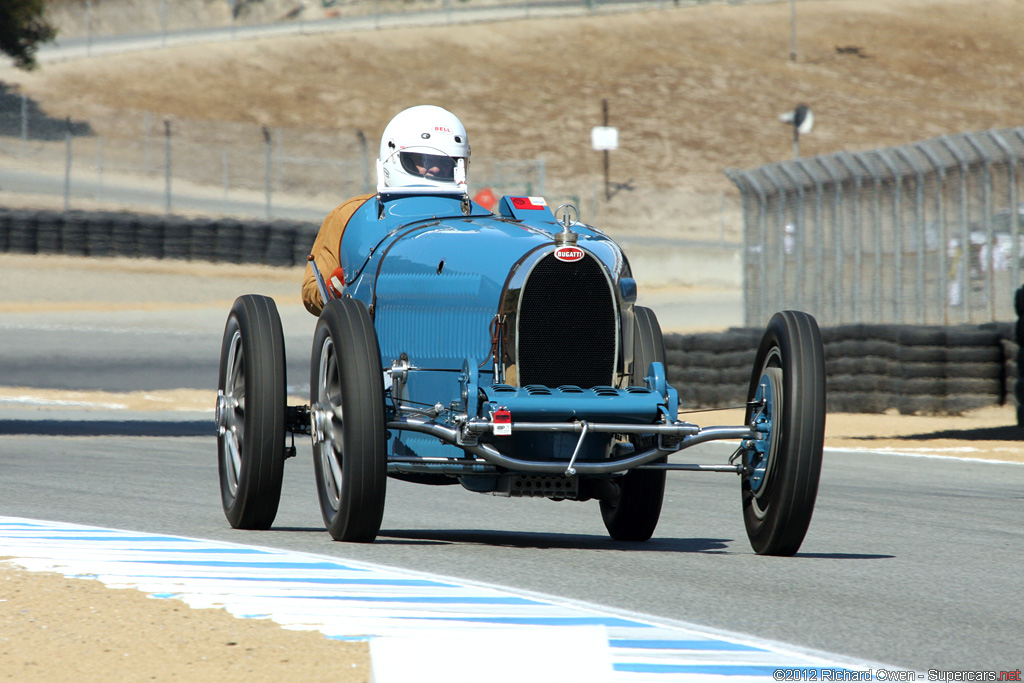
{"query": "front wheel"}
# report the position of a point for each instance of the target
(786, 403)
(349, 428)
(251, 413)
(634, 514)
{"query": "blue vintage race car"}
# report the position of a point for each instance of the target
(503, 352)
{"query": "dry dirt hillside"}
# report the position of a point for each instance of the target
(692, 89)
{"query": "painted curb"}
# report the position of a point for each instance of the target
(361, 601)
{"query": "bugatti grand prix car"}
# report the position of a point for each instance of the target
(504, 352)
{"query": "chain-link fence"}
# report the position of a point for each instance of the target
(928, 233)
(139, 160)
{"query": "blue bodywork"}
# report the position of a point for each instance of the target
(440, 276)
(433, 276)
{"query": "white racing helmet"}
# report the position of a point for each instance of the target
(421, 148)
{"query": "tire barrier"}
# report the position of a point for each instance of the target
(109, 233)
(869, 368)
(711, 370)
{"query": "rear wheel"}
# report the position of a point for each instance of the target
(349, 428)
(251, 413)
(634, 514)
(786, 401)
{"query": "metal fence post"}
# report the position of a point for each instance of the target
(876, 231)
(24, 123)
(819, 237)
(147, 124)
(837, 239)
(88, 28)
(919, 228)
(762, 253)
(986, 222)
(163, 23)
(225, 171)
(754, 274)
(1015, 216)
(279, 155)
(897, 243)
(99, 167)
(799, 243)
(762, 224)
(943, 236)
(738, 178)
(266, 141)
(780, 251)
(364, 149)
(845, 159)
(67, 163)
(963, 266)
(167, 166)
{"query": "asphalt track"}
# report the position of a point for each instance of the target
(913, 562)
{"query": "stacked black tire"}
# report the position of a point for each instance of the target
(915, 369)
(115, 233)
(711, 370)
(869, 368)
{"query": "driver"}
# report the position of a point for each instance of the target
(420, 148)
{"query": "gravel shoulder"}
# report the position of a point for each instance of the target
(61, 629)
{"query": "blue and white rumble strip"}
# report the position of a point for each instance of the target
(360, 601)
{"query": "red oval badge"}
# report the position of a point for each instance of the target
(568, 254)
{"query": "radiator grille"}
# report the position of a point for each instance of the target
(567, 325)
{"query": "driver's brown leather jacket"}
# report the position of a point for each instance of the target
(327, 250)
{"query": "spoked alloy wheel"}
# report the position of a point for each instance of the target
(250, 413)
(634, 515)
(348, 423)
(786, 402)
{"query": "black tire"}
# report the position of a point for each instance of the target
(251, 413)
(778, 502)
(349, 427)
(634, 515)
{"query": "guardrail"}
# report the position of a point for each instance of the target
(870, 368)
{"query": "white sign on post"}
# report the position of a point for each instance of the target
(604, 138)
